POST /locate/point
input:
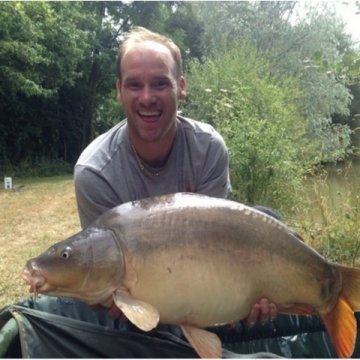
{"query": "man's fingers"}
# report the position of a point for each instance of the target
(273, 311)
(262, 312)
(114, 312)
(253, 316)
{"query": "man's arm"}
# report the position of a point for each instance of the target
(215, 179)
(94, 195)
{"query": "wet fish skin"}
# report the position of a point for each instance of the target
(197, 261)
(86, 266)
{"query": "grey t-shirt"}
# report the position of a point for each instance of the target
(107, 173)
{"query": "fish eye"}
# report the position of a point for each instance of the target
(65, 254)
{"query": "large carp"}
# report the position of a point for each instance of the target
(197, 261)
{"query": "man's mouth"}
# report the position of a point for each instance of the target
(150, 116)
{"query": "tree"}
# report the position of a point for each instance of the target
(40, 46)
(57, 70)
(293, 43)
(233, 91)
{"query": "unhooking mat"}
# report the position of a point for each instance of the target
(61, 328)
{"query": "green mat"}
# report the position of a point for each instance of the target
(62, 328)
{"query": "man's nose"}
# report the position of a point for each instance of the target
(147, 96)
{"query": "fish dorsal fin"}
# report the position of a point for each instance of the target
(205, 343)
(340, 323)
(140, 313)
(297, 235)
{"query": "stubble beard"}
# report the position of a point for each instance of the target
(149, 137)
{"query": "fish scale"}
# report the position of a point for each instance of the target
(196, 261)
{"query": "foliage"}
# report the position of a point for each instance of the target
(108, 114)
(38, 168)
(40, 46)
(57, 70)
(293, 41)
(340, 243)
(332, 213)
(258, 120)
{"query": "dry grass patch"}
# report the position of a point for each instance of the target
(31, 220)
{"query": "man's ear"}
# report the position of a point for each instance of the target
(118, 90)
(182, 91)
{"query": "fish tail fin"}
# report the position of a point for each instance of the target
(341, 322)
(351, 285)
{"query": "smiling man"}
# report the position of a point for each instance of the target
(149, 88)
(153, 151)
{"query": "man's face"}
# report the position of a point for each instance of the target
(149, 90)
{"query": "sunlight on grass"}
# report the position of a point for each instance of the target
(330, 222)
(42, 213)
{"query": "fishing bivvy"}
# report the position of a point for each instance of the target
(61, 328)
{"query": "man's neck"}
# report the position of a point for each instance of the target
(154, 153)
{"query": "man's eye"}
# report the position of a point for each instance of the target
(161, 84)
(133, 85)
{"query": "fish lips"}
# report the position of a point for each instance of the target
(36, 281)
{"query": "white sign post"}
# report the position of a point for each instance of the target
(8, 182)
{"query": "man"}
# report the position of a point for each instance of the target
(153, 151)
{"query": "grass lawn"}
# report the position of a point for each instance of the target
(45, 212)
(42, 213)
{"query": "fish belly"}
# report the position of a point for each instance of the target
(186, 291)
(205, 261)
(207, 288)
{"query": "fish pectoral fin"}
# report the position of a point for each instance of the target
(140, 313)
(298, 309)
(340, 323)
(205, 343)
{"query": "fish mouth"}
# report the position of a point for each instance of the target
(36, 281)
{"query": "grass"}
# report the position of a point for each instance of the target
(45, 212)
(330, 222)
(42, 213)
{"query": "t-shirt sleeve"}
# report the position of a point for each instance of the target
(215, 179)
(94, 195)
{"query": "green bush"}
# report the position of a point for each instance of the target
(259, 121)
(37, 168)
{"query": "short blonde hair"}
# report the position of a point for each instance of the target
(139, 34)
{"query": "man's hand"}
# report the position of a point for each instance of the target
(114, 311)
(263, 311)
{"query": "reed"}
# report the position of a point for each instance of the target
(330, 220)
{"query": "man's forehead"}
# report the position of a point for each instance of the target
(149, 52)
(148, 46)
